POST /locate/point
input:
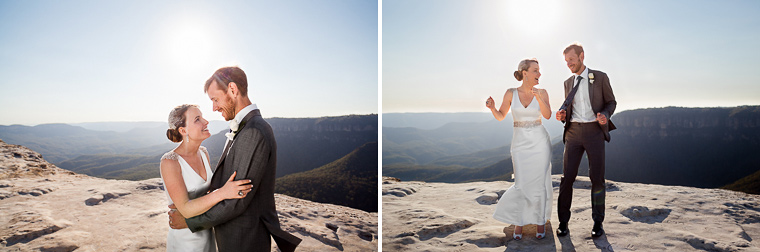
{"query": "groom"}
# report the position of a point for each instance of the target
(242, 224)
(586, 111)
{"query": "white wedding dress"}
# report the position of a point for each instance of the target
(183, 239)
(529, 200)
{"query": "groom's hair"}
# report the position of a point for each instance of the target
(223, 76)
(575, 47)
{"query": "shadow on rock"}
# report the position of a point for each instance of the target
(529, 241)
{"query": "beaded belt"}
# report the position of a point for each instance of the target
(528, 124)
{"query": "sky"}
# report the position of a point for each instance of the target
(449, 56)
(97, 61)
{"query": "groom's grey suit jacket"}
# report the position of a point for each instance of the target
(246, 224)
(602, 101)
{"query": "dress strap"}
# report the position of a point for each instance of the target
(170, 156)
(516, 96)
(204, 150)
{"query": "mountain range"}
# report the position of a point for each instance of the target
(428, 121)
(303, 144)
(698, 147)
(445, 145)
(455, 152)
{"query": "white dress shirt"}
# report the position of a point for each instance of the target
(582, 111)
(243, 112)
(240, 115)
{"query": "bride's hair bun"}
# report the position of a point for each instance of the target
(524, 66)
(174, 135)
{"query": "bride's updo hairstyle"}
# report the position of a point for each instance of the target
(176, 120)
(523, 66)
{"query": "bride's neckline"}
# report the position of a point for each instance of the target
(191, 167)
(520, 99)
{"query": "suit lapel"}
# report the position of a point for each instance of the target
(246, 119)
(224, 154)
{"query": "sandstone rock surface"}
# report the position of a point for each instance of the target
(45, 208)
(419, 216)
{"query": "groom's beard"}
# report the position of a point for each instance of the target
(228, 111)
(577, 68)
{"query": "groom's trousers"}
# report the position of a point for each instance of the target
(580, 138)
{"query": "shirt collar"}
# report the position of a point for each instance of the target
(584, 74)
(243, 112)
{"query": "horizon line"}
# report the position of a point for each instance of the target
(486, 112)
(314, 117)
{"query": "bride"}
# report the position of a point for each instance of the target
(529, 200)
(187, 176)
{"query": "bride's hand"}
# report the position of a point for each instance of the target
(536, 92)
(232, 189)
(489, 103)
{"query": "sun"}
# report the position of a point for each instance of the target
(189, 43)
(535, 16)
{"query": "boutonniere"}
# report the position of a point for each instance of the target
(235, 127)
(591, 78)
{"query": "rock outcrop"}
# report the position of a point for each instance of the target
(43, 207)
(419, 216)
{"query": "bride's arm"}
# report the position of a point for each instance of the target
(543, 102)
(501, 113)
(175, 186)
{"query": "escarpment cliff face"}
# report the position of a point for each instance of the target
(722, 123)
(46, 208)
(697, 147)
(356, 123)
(304, 144)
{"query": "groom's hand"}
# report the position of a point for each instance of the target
(176, 220)
(601, 118)
(561, 115)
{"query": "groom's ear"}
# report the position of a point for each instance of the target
(582, 56)
(232, 87)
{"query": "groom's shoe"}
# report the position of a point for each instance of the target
(597, 230)
(562, 230)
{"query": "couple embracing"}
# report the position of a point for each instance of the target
(586, 111)
(235, 199)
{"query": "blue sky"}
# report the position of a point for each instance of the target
(449, 56)
(90, 61)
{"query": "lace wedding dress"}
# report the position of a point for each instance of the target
(529, 200)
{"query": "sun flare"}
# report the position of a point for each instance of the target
(533, 17)
(189, 43)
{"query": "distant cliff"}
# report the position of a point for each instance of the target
(725, 123)
(699, 147)
(308, 143)
(349, 123)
